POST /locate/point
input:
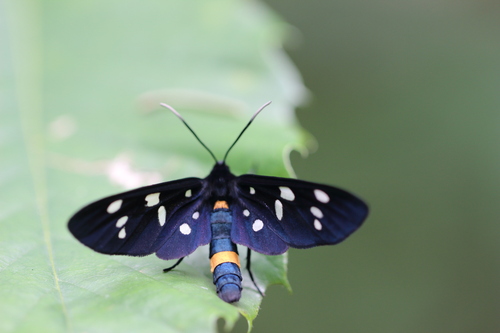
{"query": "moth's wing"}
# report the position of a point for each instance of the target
(251, 227)
(157, 218)
(272, 213)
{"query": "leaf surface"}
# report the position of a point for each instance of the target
(81, 120)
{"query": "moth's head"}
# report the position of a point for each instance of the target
(220, 167)
(220, 173)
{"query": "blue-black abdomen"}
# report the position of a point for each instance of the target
(224, 255)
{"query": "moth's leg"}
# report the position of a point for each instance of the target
(249, 252)
(172, 267)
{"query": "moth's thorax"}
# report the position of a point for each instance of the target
(219, 181)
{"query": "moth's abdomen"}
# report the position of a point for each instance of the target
(227, 280)
(224, 260)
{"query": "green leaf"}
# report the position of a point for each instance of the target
(80, 119)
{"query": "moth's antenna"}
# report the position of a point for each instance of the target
(245, 128)
(189, 128)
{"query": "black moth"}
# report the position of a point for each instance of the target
(265, 214)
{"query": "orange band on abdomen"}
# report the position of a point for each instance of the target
(220, 204)
(222, 257)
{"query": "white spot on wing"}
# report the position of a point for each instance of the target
(286, 193)
(162, 215)
(317, 212)
(252, 190)
(278, 208)
(318, 225)
(122, 234)
(195, 215)
(185, 229)
(246, 212)
(188, 193)
(321, 196)
(114, 206)
(257, 225)
(121, 221)
(152, 199)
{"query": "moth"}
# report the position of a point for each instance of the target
(265, 214)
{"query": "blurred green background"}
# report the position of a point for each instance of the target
(406, 110)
